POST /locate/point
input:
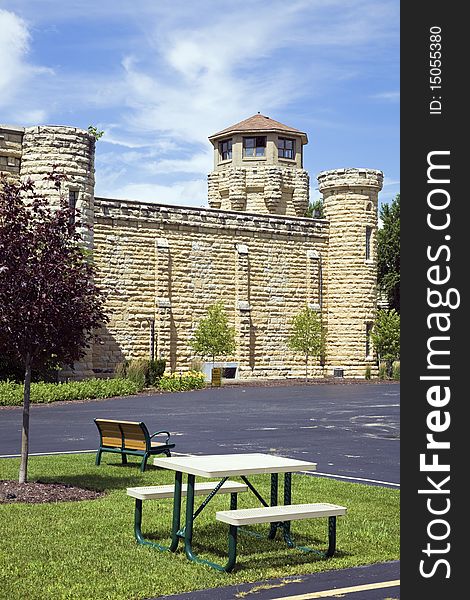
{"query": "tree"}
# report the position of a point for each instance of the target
(214, 336)
(315, 209)
(385, 336)
(49, 305)
(389, 253)
(307, 335)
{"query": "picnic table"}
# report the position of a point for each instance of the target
(222, 467)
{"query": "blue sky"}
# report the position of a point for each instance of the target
(160, 76)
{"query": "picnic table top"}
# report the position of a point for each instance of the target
(231, 465)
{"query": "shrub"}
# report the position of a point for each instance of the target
(137, 370)
(196, 365)
(396, 370)
(156, 370)
(368, 372)
(383, 371)
(144, 372)
(178, 382)
(11, 394)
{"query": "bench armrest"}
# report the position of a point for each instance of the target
(159, 432)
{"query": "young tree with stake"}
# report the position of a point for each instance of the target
(307, 335)
(213, 335)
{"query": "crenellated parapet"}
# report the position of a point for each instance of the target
(266, 189)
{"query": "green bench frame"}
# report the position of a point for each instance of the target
(130, 438)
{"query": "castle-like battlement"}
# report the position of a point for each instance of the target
(161, 266)
(336, 179)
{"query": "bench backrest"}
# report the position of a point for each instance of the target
(127, 435)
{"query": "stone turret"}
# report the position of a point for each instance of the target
(350, 199)
(258, 167)
(72, 152)
(32, 153)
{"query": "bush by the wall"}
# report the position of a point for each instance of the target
(144, 372)
(11, 393)
(396, 370)
(178, 382)
(368, 373)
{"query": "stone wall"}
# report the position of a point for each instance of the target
(163, 266)
(171, 263)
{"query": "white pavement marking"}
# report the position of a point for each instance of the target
(186, 454)
(352, 478)
(48, 453)
(64, 452)
(347, 590)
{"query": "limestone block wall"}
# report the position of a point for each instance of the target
(169, 264)
(72, 151)
(272, 189)
(350, 198)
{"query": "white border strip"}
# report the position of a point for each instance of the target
(334, 476)
(64, 452)
(339, 592)
(317, 473)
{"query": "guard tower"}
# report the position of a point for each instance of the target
(258, 168)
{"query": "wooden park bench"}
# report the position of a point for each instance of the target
(130, 438)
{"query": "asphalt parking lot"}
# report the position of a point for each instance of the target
(348, 430)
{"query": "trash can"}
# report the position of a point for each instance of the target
(338, 372)
(216, 379)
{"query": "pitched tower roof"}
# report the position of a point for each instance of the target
(260, 122)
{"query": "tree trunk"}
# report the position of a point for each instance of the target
(306, 367)
(25, 431)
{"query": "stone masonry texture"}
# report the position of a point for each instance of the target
(162, 266)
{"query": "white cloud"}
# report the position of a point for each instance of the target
(393, 96)
(16, 73)
(14, 42)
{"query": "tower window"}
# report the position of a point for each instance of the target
(254, 146)
(286, 148)
(225, 150)
(73, 198)
(368, 240)
(368, 339)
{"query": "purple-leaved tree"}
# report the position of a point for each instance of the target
(49, 304)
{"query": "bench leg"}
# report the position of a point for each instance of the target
(331, 536)
(143, 464)
(124, 458)
(98, 457)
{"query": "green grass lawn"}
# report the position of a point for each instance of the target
(86, 550)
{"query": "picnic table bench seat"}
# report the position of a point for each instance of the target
(154, 492)
(130, 438)
(282, 515)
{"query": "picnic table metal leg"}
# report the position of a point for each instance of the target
(176, 520)
(175, 538)
(188, 532)
(287, 501)
(274, 500)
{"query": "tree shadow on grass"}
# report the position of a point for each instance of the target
(98, 481)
